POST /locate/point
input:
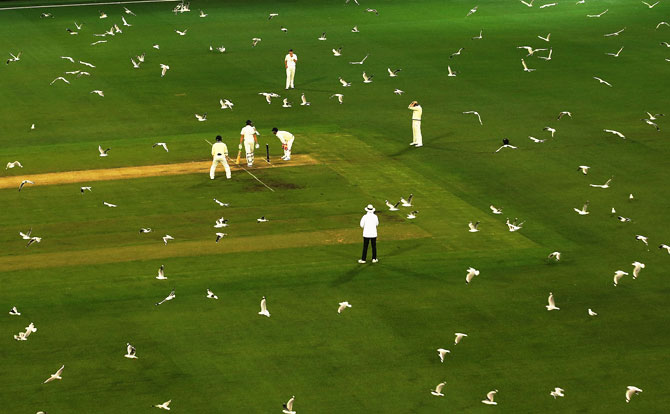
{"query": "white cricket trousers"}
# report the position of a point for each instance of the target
(416, 132)
(290, 74)
(287, 145)
(249, 150)
(219, 160)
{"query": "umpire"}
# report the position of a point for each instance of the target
(369, 223)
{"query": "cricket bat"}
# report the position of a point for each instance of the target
(239, 153)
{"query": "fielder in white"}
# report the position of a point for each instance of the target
(286, 139)
(289, 62)
(220, 156)
(416, 109)
(248, 137)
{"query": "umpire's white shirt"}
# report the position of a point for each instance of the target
(369, 223)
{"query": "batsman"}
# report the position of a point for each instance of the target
(248, 137)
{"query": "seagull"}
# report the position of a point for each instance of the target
(156, 46)
(617, 33)
(615, 54)
(631, 390)
(90, 65)
(211, 295)
(550, 129)
(398, 91)
(83, 189)
(592, 313)
(546, 39)
(555, 255)
(45, 15)
(438, 390)
(408, 202)
(475, 113)
(583, 211)
(372, 11)
(164, 69)
(618, 275)
(637, 266)
(67, 58)
(15, 58)
(26, 236)
(451, 73)
(630, 196)
(495, 210)
(623, 219)
(337, 52)
(181, 33)
(458, 337)
(392, 207)
(323, 36)
(161, 273)
(14, 312)
(60, 78)
(489, 398)
(24, 182)
(506, 145)
(343, 306)
(108, 204)
(361, 62)
(366, 78)
(606, 185)
(652, 123)
(161, 144)
(551, 50)
(201, 118)
(643, 239)
(103, 15)
(203, 14)
(339, 97)
(220, 203)
(272, 15)
(128, 11)
(650, 5)
(530, 50)
(117, 29)
(613, 210)
(269, 96)
(441, 352)
(597, 15)
(548, 5)
(535, 140)
(164, 406)
(472, 11)
(666, 247)
(288, 407)
(82, 73)
(262, 220)
(472, 272)
(355, 30)
(393, 73)
(98, 92)
(564, 113)
(169, 297)
(56, 376)
(412, 215)
(457, 53)
(103, 153)
(552, 305)
(130, 352)
(654, 116)
(617, 133)
(513, 226)
(283, 29)
(125, 23)
(473, 227)
(662, 23)
(98, 42)
(602, 81)
(255, 41)
(286, 103)
(264, 308)
(220, 236)
(557, 392)
(145, 230)
(226, 104)
(34, 240)
(166, 238)
(525, 67)
(478, 37)
(13, 164)
(304, 101)
(221, 223)
(528, 4)
(344, 83)
(135, 64)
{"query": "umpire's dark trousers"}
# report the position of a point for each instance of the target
(373, 241)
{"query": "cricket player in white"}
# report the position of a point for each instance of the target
(248, 137)
(417, 140)
(289, 62)
(220, 156)
(369, 223)
(286, 139)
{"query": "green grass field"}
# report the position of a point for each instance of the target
(90, 285)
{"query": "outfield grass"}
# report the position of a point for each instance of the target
(89, 286)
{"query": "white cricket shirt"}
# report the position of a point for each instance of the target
(369, 223)
(248, 132)
(285, 136)
(219, 148)
(416, 112)
(290, 60)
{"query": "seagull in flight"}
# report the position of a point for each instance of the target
(161, 273)
(606, 185)
(513, 226)
(584, 169)
(60, 78)
(304, 101)
(536, 140)
(67, 58)
(103, 153)
(136, 65)
(56, 376)
(125, 23)
(24, 182)
(457, 53)
(652, 123)
(472, 11)
(337, 52)
(618, 275)
(597, 15)
(451, 73)
(264, 308)
(495, 210)
(602, 81)
(472, 272)
(226, 104)
(203, 14)
(269, 96)
(288, 407)
(221, 204)
(339, 97)
(166, 238)
(548, 57)
(557, 392)
(13, 164)
(651, 6)
(286, 103)
(412, 215)
(26, 236)
(398, 91)
(564, 113)
(555, 255)
(617, 33)
(617, 133)
(393, 73)
(180, 32)
(220, 236)
(161, 144)
(342, 306)
(408, 202)
(211, 295)
(654, 116)
(661, 24)
(643, 239)
(222, 222)
(361, 62)
(530, 50)
(98, 92)
(272, 15)
(372, 11)
(167, 298)
(34, 240)
(14, 312)
(127, 11)
(262, 220)
(164, 406)
(525, 67)
(666, 247)
(637, 267)
(489, 398)
(438, 390)
(631, 390)
(130, 352)
(255, 41)
(548, 5)
(392, 207)
(615, 54)
(473, 227)
(591, 312)
(322, 37)
(164, 69)
(14, 58)
(584, 209)
(283, 29)
(546, 39)
(104, 203)
(459, 337)
(366, 78)
(355, 30)
(441, 353)
(527, 4)
(201, 118)
(550, 129)
(90, 65)
(479, 37)
(551, 304)
(103, 15)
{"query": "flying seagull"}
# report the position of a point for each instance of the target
(164, 69)
(13, 164)
(339, 97)
(269, 96)
(161, 144)
(181, 32)
(161, 273)
(361, 62)
(167, 298)
(489, 398)
(546, 39)
(617, 133)
(602, 81)
(459, 337)
(211, 295)
(495, 210)
(450, 72)
(551, 304)
(441, 353)
(597, 15)
(130, 352)
(557, 392)
(166, 238)
(555, 255)
(255, 41)
(337, 52)
(272, 15)
(59, 78)
(393, 73)
(606, 185)
(24, 182)
(201, 118)
(637, 266)
(322, 37)
(615, 54)
(472, 272)
(617, 33)
(438, 390)
(288, 407)
(548, 5)
(564, 113)
(342, 306)
(14, 312)
(473, 227)
(303, 101)
(262, 220)
(457, 53)
(264, 308)
(584, 210)
(650, 5)
(527, 4)
(536, 140)
(56, 376)
(472, 11)
(591, 312)
(221, 203)
(479, 37)
(220, 236)
(164, 406)
(525, 67)
(630, 391)
(475, 113)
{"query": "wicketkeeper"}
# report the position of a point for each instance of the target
(286, 139)
(248, 137)
(220, 156)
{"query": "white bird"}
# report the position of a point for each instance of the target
(398, 91)
(525, 67)
(475, 113)
(623, 219)
(117, 29)
(272, 15)
(666, 247)
(650, 5)
(108, 204)
(14, 312)
(322, 37)
(527, 4)
(615, 54)
(288, 407)
(551, 50)
(264, 308)
(372, 11)
(135, 64)
(286, 103)
(458, 337)
(536, 140)
(344, 83)
(201, 118)
(145, 230)
(56, 376)
(602, 81)
(583, 211)
(283, 29)
(269, 96)
(59, 78)
(412, 215)
(613, 210)
(343, 306)
(167, 298)
(221, 203)
(130, 352)
(161, 273)
(555, 255)
(82, 73)
(637, 266)
(606, 185)
(203, 14)
(303, 101)
(450, 72)
(618, 275)
(662, 23)
(226, 104)
(98, 42)
(24, 182)
(164, 69)
(221, 223)
(643, 239)
(438, 390)
(546, 39)
(552, 305)
(220, 236)
(255, 41)
(90, 65)
(597, 15)
(161, 144)
(472, 272)
(211, 295)
(495, 210)
(339, 97)
(355, 30)
(617, 133)
(653, 117)
(472, 11)
(631, 390)
(361, 62)
(617, 33)
(393, 73)
(337, 52)
(16, 58)
(262, 220)
(557, 392)
(513, 226)
(489, 398)
(584, 169)
(125, 23)
(479, 37)
(98, 92)
(67, 58)
(181, 32)
(164, 406)
(550, 129)
(408, 202)
(166, 238)
(34, 240)
(564, 113)
(548, 5)
(13, 164)
(530, 50)
(366, 78)
(127, 11)
(441, 352)
(473, 227)
(650, 122)
(156, 46)
(457, 53)
(392, 207)
(592, 313)
(506, 146)
(103, 15)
